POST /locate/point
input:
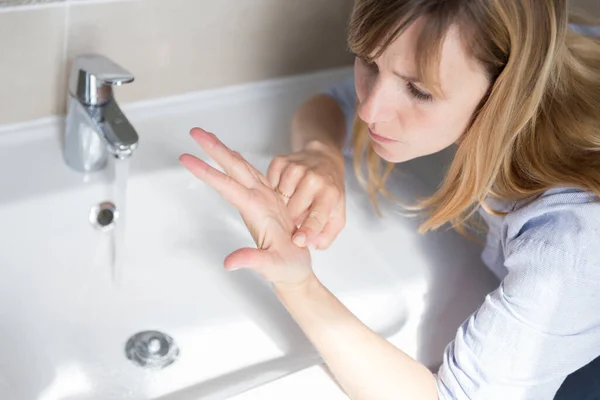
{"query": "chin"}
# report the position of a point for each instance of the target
(390, 156)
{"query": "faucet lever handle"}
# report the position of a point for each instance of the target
(92, 78)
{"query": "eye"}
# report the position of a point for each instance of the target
(417, 93)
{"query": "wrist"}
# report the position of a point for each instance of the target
(327, 149)
(300, 289)
(322, 145)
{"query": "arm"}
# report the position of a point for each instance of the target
(326, 118)
(311, 178)
(319, 120)
(366, 365)
(540, 325)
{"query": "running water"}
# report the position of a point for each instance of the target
(121, 172)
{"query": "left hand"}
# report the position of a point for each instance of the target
(312, 182)
(266, 216)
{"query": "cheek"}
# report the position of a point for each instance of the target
(361, 81)
(421, 131)
(439, 128)
(451, 124)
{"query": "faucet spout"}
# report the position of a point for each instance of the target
(121, 138)
(95, 125)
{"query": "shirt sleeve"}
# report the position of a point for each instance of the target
(587, 30)
(344, 93)
(542, 323)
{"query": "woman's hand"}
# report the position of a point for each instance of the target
(264, 212)
(312, 183)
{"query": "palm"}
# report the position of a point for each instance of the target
(277, 259)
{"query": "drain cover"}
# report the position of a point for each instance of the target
(151, 349)
(103, 216)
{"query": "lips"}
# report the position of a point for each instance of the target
(380, 139)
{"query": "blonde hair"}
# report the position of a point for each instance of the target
(538, 127)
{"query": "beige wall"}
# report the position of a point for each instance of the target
(592, 6)
(171, 46)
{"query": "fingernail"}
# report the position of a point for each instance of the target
(233, 268)
(299, 239)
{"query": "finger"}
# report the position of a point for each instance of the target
(329, 233)
(290, 178)
(274, 171)
(303, 197)
(255, 172)
(231, 162)
(247, 258)
(313, 224)
(300, 202)
(298, 221)
(234, 192)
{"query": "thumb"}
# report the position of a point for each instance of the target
(250, 258)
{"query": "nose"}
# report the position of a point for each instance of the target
(377, 106)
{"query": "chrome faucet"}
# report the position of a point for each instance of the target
(95, 125)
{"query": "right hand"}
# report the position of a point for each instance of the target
(263, 211)
(311, 181)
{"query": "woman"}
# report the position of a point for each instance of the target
(518, 92)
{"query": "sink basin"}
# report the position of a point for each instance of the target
(73, 318)
(67, 317)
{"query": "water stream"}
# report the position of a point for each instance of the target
(121, 173)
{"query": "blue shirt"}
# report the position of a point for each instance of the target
(543, 321)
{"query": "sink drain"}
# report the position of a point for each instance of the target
(103, 216)
(151, 349)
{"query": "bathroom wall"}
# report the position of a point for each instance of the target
(171, 46)
(592, 6)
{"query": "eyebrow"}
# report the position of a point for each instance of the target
(407, 78)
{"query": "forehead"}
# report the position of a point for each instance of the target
(456, 66)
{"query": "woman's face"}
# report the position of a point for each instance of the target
(404, 120)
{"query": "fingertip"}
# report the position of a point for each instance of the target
(230, 265)
(310, 233)
(320, 246)
(198, 134)
(299, 239)
(304, 237)
(323, 242)
(184, 158)
(195, 165)
(197, 131)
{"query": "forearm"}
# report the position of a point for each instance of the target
(365, 365)
(319, 119)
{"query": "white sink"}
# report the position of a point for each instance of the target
(66, 321)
